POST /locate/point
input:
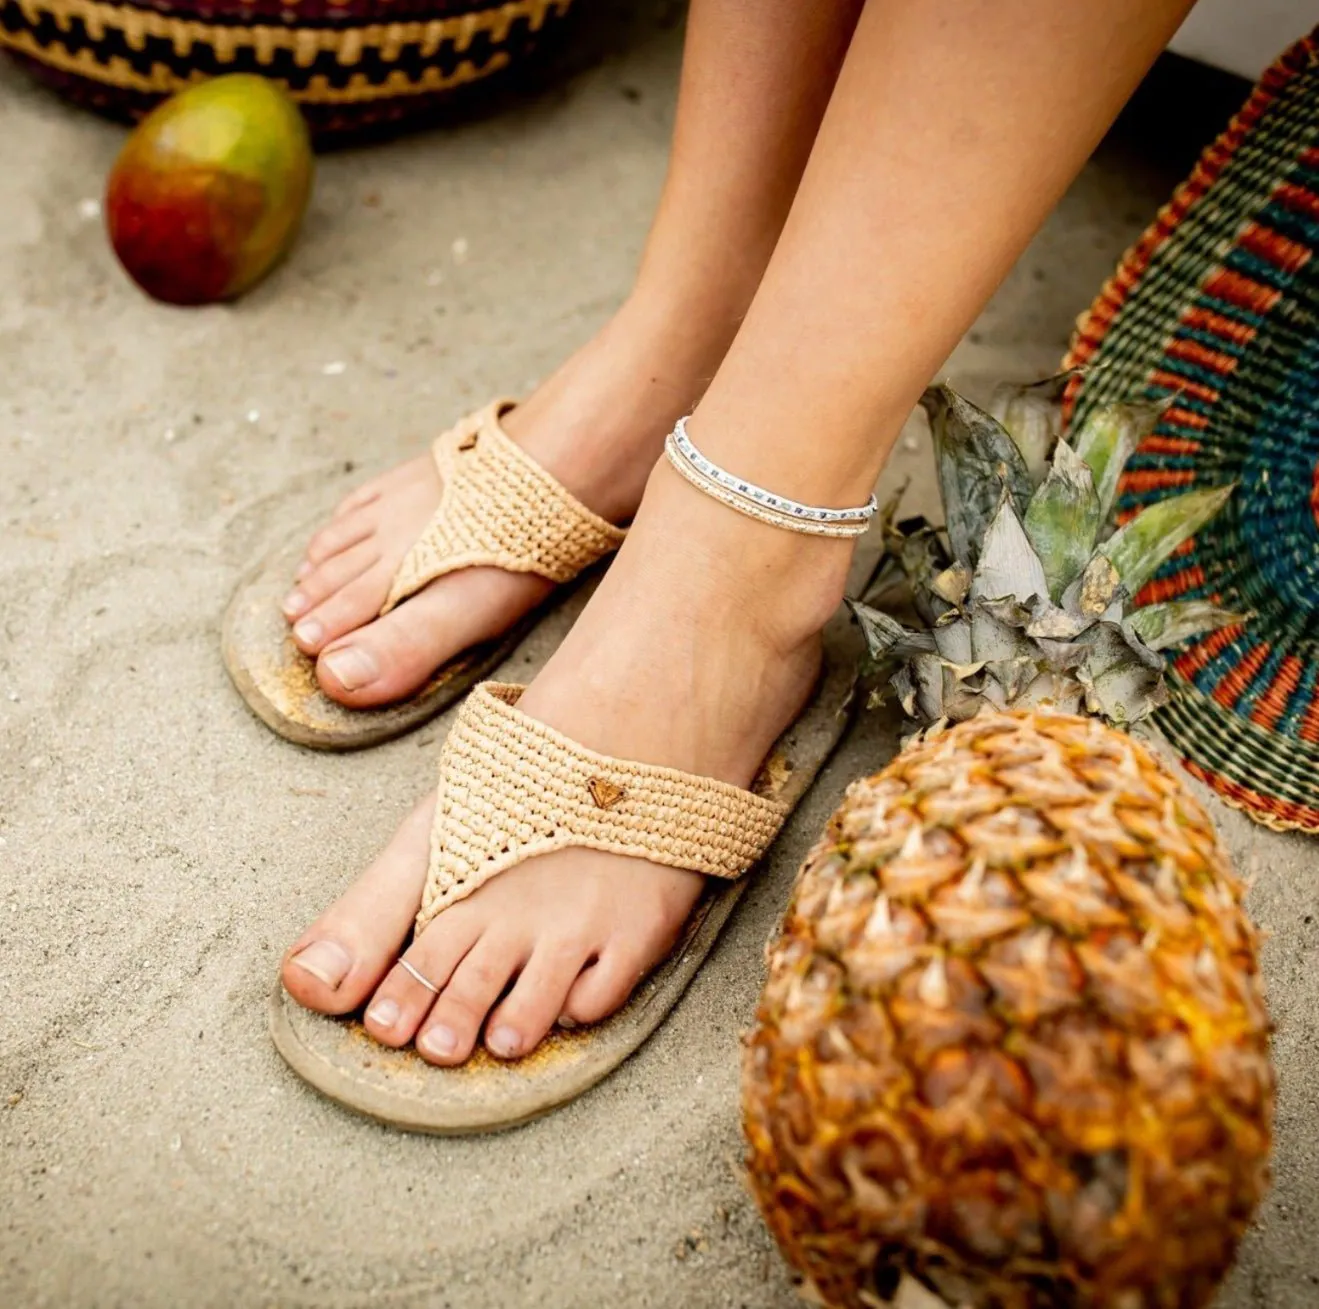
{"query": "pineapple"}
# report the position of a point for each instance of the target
(1013, 1047)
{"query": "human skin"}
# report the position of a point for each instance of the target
(953, 129)
(756, 80)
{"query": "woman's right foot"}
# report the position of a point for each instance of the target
(597, 425)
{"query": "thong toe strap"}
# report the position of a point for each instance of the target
(499, 508)
(511, 788)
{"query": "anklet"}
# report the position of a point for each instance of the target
(756, 502)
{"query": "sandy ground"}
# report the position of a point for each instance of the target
(158, 847)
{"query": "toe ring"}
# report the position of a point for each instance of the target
(418, 977)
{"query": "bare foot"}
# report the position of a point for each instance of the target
(698, 649)
(597, 425)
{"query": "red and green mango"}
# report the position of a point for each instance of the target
(209, 190)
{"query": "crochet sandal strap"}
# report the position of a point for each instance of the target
(499, 508)
(511, 788)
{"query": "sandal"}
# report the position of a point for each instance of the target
(511, 788)
(498, 508)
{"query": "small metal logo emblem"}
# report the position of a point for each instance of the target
(605, 793)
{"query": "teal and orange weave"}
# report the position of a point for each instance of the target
(1217, 305)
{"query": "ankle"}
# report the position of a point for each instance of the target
(786, 584)
(599, 422)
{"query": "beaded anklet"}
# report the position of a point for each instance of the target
(755, 501)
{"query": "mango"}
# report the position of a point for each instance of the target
(209, 190)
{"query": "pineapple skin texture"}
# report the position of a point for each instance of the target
(1013, 1040)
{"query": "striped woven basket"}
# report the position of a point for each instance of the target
(1217, 304)
(354, 66)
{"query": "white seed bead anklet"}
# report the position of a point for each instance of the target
(756, 502)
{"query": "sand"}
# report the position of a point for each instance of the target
(159, 847)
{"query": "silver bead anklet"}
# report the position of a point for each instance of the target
(756, 502)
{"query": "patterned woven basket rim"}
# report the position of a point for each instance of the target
(305, 41)
(1153, 324)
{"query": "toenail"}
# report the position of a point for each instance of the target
(504, 1042)
(309, 631)
(303, 569)
(294, 603)
(384, 1013)
(566, 1022)
(325, 960)
(439, 1040)
(352, 668)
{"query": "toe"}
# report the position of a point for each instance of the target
(335, 964)
(346, 610)
(340, 533)
(519, 1024)
(454, 1022)
(403, 999)
(320, 582)
(366, 494)
(399, 652)
(382, 661)
(603, 988)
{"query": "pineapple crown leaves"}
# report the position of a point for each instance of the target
(975, 459)
(1027, 603)
(1032, 415)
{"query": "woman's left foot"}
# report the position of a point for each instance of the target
(699, 648)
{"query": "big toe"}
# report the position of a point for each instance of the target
(381, 662)
(398, 653)
(340, 959)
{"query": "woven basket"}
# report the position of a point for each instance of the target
(354, 66)
(1218, 305)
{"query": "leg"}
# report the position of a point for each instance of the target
(971, 120)
(755, 84)
(702, 642)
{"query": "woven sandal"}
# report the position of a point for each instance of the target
(512, 788)
(498, 508)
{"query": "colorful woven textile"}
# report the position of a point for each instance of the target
(353, 65)
(1217, 305)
